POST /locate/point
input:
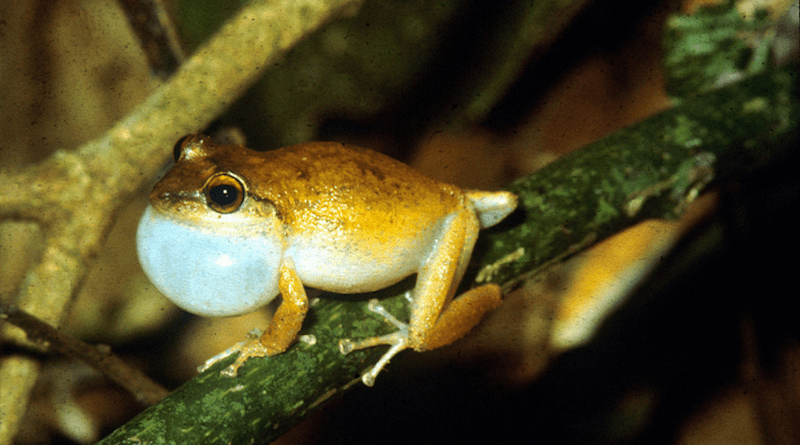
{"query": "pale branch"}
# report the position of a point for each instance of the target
(74, 195)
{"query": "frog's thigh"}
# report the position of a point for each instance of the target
(436, 319)
(288, 319)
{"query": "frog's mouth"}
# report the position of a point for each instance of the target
(205, 270)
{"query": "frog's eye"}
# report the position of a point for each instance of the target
(224, 193)
(177, 150)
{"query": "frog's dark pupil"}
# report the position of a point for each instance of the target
(223, 194)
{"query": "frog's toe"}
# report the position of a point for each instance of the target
(398, 341)
(247, 350)
(221, 356)
(375, 306)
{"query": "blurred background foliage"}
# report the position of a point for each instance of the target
(391, 72)
(471, 92)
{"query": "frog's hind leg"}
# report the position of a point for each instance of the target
(436, 319)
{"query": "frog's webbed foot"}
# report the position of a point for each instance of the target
(251, 347)
(397, 340)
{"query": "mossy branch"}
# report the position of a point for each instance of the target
(651, 169)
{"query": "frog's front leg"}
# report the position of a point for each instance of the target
(436, 318)
(285, 325)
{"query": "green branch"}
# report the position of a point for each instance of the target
(651, 169)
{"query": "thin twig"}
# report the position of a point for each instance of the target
(101, 358)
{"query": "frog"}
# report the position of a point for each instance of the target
(229, 228)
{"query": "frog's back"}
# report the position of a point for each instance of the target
(332, 181)
(355, 220)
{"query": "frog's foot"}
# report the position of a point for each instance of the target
(221, 356)
(251, 347)
(397, 340)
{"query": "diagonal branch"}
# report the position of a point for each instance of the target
(651, 169)
(100, 357)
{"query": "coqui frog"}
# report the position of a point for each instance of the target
(229, 228)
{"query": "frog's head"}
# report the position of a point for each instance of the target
(204, 241)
